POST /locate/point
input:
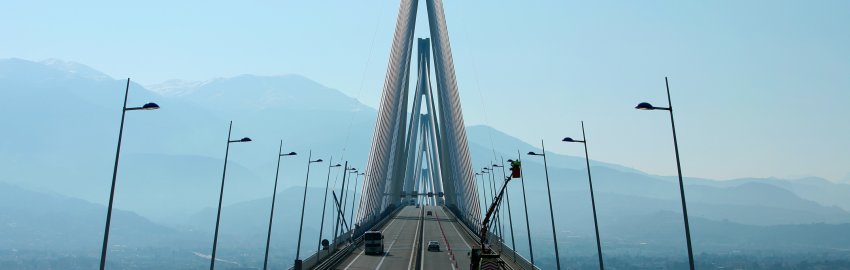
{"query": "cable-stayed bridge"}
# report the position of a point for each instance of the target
(419, 184)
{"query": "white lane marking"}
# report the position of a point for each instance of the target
(364, 249)
(415, 239)
(389, 248)
(355, 259)
(454, 226)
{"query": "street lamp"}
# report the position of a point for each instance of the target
(592, 198)
(337, 226)
(497, 214)
(345, 196)
(148, 106)
(484, 184)
(303, 205)
(508, 202)
(484, 191)
(221, 193)
(549, 193)
(274, 196)
(669, 108)
(354, 197)
(325, 204)
(525, 207)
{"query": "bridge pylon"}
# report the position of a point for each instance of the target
(427, 147)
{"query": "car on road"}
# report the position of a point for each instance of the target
(433, 246)
(429, 213)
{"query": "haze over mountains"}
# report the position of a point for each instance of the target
(61, 128)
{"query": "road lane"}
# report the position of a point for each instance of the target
(431, 231)
(399, 236)
(457, 237)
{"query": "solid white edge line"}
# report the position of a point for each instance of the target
(454, 226)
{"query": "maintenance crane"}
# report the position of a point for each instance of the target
(483, 257)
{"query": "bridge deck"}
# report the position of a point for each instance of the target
(401, 243)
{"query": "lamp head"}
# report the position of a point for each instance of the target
(645, 106)
(568, 139)
(337, 165)
(289, 154)
(150, 106)
(533, 154)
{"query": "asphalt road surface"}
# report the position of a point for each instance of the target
(402, 243)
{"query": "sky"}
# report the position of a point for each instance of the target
(759, 88)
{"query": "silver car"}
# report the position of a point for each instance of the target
(433, 246)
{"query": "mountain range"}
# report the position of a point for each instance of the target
(60, 135)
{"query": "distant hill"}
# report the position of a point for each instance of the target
(68, 122)
(507, 147)
(244, 225)
(816, 189)
(42, 221)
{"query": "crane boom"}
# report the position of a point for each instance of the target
(490, 210)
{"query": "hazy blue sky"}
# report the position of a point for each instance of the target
(761, 88)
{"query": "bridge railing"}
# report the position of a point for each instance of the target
(505, 251)
(508, 254)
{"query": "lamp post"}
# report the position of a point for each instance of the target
(274, 196)
(303, 204)
(484, 185)
(497, 214)
(549, 193)
(483, 191)
(354, 198)
(147, 106)
(525, 207)
(348, 189)
(337, 225)
(592, 198)
(325, 204)
(508, 202)
(344, 196)
(221, 192)
(669, 108)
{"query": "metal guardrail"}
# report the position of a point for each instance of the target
(507, 254)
